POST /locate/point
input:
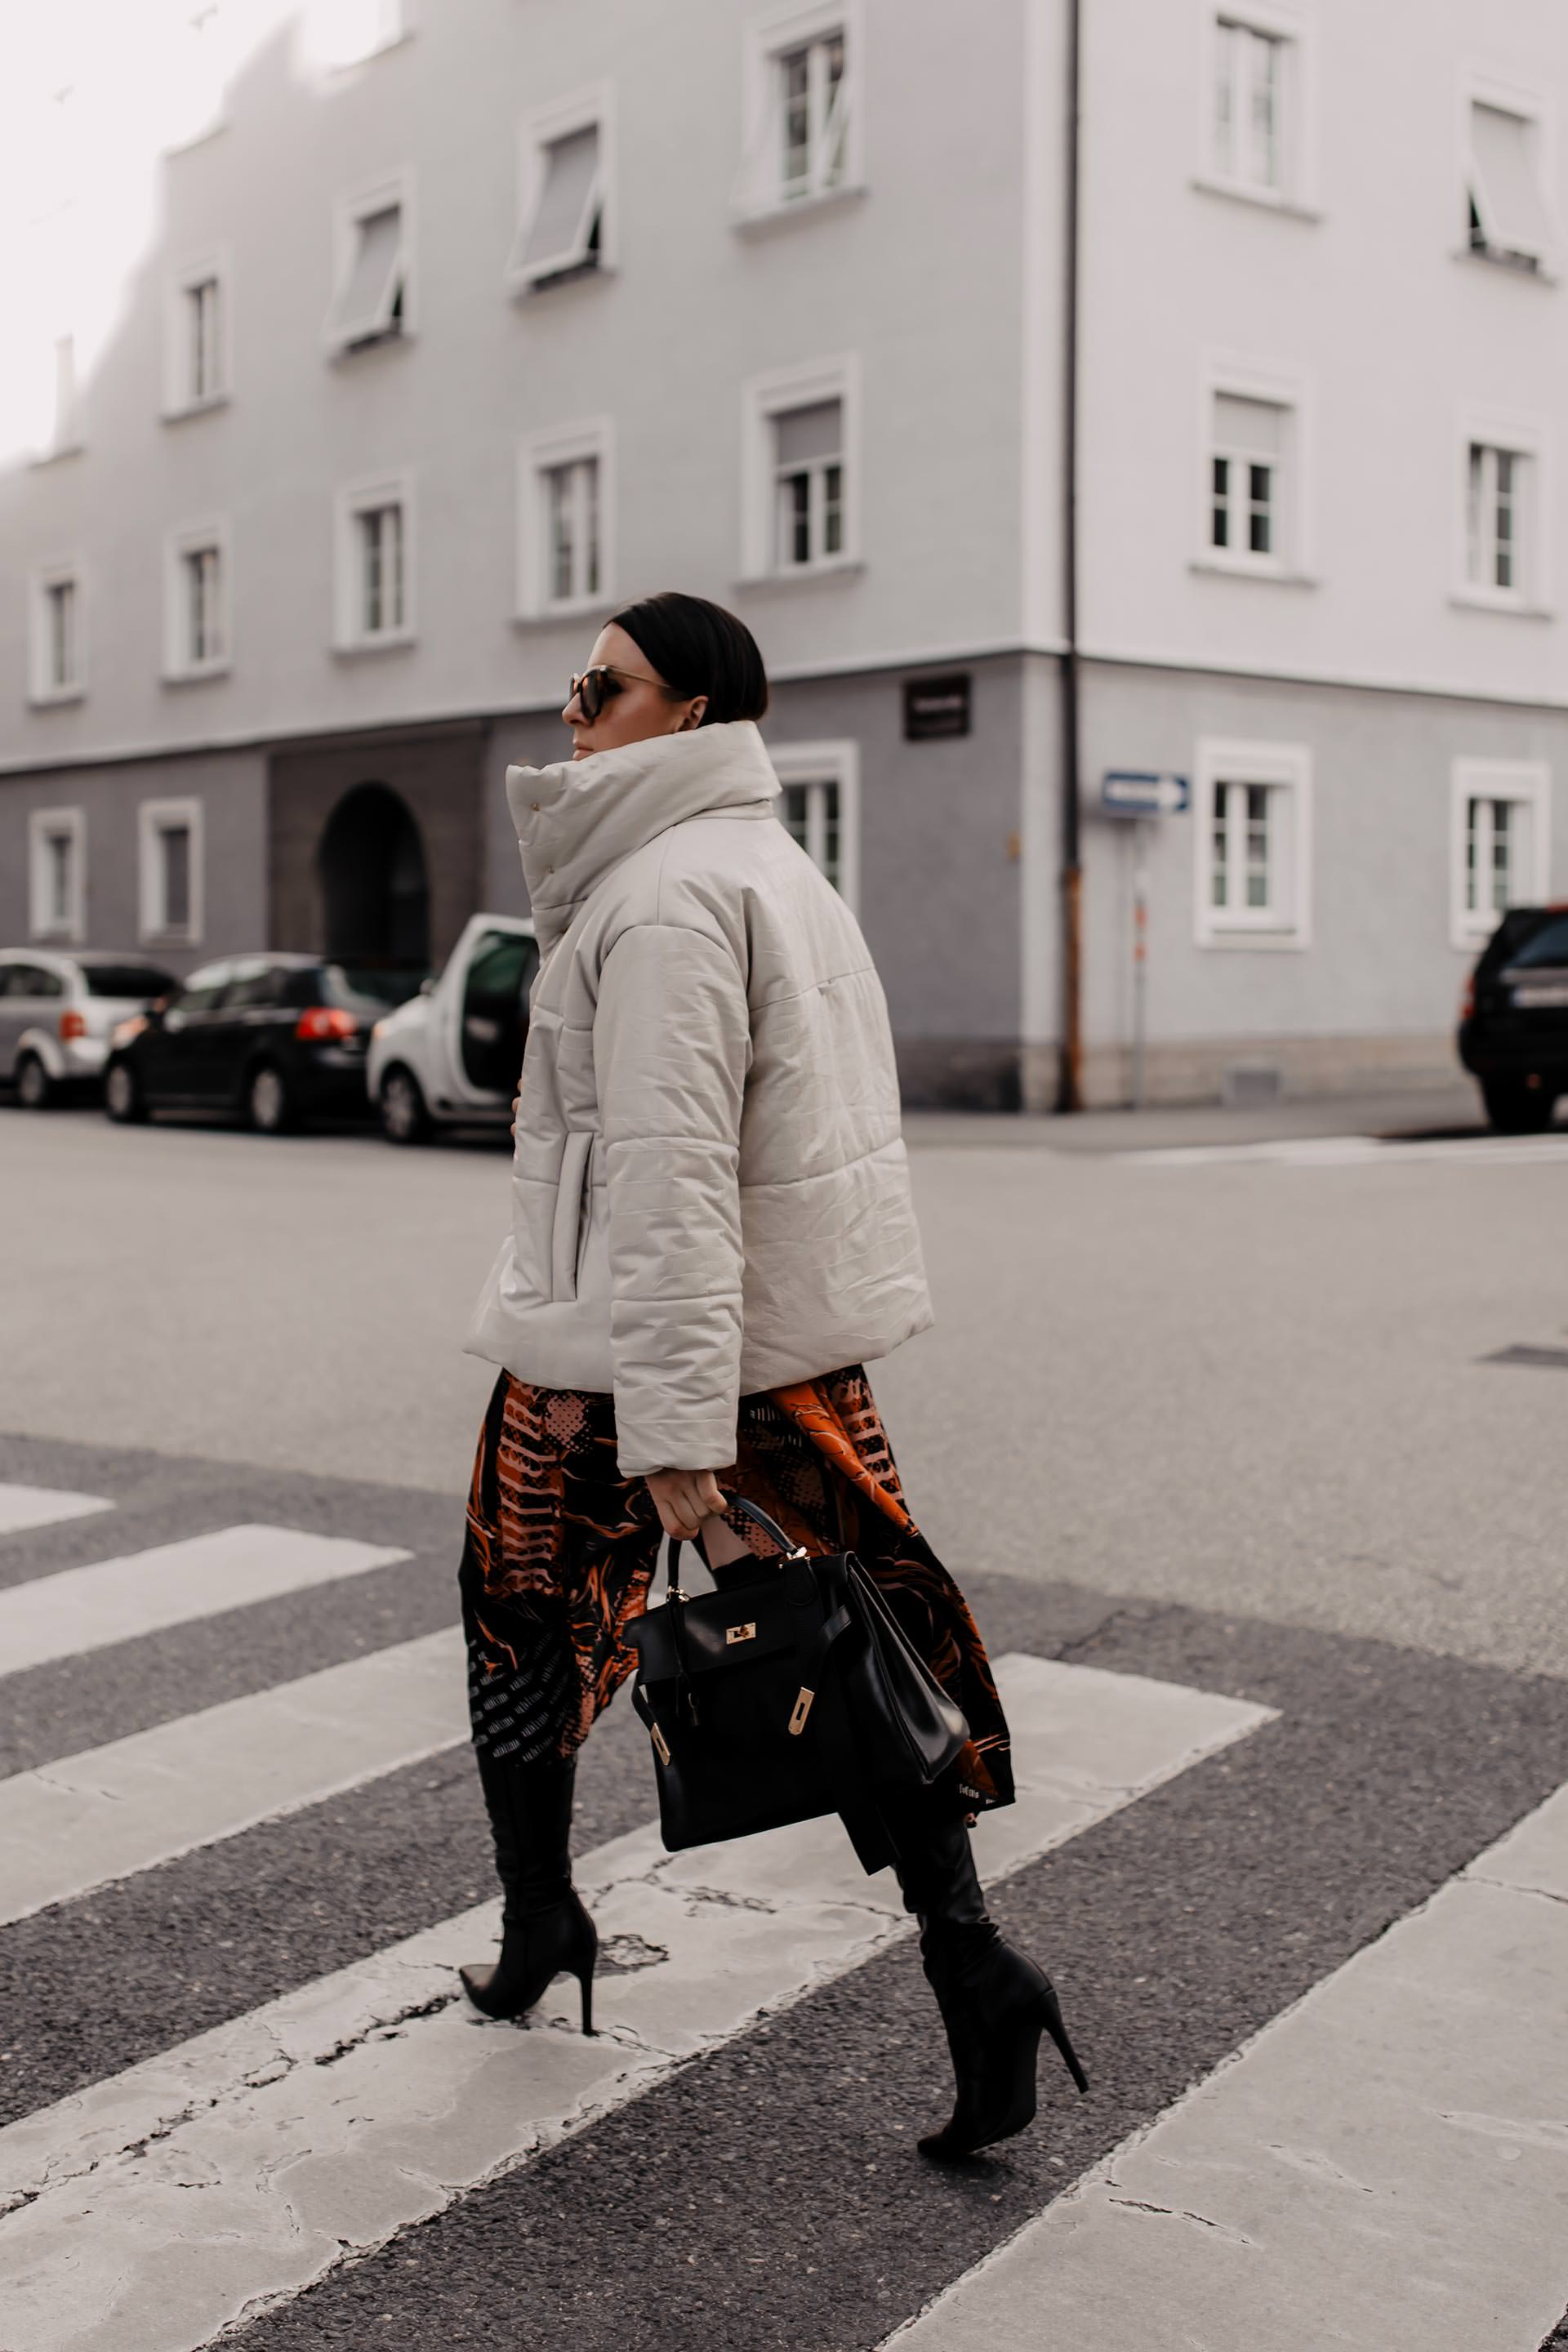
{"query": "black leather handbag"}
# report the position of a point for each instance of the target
(787, 1697)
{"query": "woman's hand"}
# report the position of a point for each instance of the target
(516, 1106)
(684, 1498)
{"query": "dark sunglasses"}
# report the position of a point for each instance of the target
(601, 684)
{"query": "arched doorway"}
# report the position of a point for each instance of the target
(375, 891)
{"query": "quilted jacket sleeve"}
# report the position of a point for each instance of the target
(671, 1047)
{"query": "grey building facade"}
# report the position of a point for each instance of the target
(433, 351)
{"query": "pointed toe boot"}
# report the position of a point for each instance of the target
(545, 1930)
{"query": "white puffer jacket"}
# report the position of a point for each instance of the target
(710, 1191)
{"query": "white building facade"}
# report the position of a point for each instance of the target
(449, 340)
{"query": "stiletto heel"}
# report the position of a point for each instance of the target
(1060, 2035)
(561, 1941)
(995, 2012)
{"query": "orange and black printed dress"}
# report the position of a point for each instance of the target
(561, 1548)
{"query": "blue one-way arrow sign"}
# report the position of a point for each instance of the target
(1131, 791)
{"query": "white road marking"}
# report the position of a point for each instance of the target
(82, 1609)
(228, 2175)
(85, 1820)
(40, 1507)
(1388, 2160)
(1360, 1152)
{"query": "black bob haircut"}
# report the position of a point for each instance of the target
(699, 648)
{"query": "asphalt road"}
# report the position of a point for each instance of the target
(1226, 1423)
(1246, 1385)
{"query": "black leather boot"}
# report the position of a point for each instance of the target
(546, 1931)
(994, 2002)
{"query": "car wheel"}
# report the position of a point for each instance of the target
(1519, 1110)
(34, 1087)
(404, 1116)
(266, 1101)
(123, 1097)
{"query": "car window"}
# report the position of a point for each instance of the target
(1548, 945)
(202, 989)
(357, 989)
(138, 982)
(11, 978)
(37, 981)
(254, 982)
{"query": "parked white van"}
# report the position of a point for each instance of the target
(452, 1055)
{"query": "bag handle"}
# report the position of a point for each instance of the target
(753, 1511)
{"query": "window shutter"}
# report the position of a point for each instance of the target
(560, 235)
(1249, 429)
(805, 437)
(1506, 192)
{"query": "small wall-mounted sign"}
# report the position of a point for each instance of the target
(935, 706)
(1128, 792)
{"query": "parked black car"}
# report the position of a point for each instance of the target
(1513, 1024)
(271, 1038)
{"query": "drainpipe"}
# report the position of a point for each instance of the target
(1069, 1076)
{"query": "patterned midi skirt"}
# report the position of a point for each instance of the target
(559, 1550)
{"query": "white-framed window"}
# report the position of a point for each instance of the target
(1248, 123)
(819, 804)
(171, 876)
(373, 297)
(197, 352)
(1254, 503)
(1259, 91)
(343, 33)
(1499, 843)
(57, 648)
(565, 516)
(57, 844)
(566, 213)
(1252, 831)
(1502, 552)
(802, 128)
(801, 456)
(196, 602)
(1507, 175)
(375, 563)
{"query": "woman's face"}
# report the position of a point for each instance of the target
(639, 704)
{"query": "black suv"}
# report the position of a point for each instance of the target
(272, 1038)
(1513, 1024)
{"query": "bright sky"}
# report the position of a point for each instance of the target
(93, 93)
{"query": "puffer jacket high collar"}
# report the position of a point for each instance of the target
(578, 818)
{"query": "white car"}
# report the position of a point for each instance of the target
(56, 1013)
(451, 1056)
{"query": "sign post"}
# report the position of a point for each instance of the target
(1137, 796)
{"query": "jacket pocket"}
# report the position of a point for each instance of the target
(566, 1232)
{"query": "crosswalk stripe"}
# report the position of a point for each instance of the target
(41, 1506)
(1360, 1152)
(84, 1820)
(79, 1609)
(151, 2210)
(1386, 2160)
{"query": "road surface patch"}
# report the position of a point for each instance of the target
(1404, 2123)
(41, 1506)
(88, 1819)
(152, 2210)
(82, 1609)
